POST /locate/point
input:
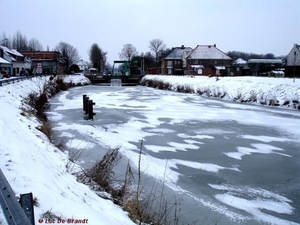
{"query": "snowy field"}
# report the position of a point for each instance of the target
(32, 164)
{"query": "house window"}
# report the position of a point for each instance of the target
(195, 61)
(216, 62)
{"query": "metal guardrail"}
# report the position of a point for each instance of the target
(12, 80)
(13, 211)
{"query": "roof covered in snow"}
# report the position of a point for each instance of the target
(6, 49)
(4, 61)
(15, 52)
(265, 61)
(179, 52)
(207, 52)
(240, 61)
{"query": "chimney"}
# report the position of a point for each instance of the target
(215, 45)
(182, 46)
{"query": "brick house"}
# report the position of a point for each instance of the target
(175, 62)
(207, 60)
(47, 62)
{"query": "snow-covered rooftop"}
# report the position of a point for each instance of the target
(4, 61)
(240, 61)
(266, 61)
(6, 49)
(177, 53)
(207, 52)
(15, 52)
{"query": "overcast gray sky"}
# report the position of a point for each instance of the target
(257, 26)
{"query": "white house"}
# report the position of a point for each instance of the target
(5, 61)
(83, 66)
(293, 58)
(14, 57)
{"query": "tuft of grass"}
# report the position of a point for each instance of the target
(35, 202)
(50, 215)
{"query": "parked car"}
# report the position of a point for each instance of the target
(5, 74)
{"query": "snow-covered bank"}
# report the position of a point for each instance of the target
(281, 92)
(32, 164)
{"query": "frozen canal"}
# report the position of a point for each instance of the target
(229, 163)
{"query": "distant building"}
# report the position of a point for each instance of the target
(239, 68)
(293, 62)
(175, 62)
(47, 62)
(15, 61)
(207, 60)
(5, 62)
(262, 67)
(83, 66)
(293, 58)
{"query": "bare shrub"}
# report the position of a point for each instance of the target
(167, 86)
(223, 94)
(273, 102)
(253, 96)
(208, 92)
(61, 84)
(296, 104)
(238, 96)
(159, 85)
(200, 92)
(152, 208)
(102, 172)
(180, 88)
(46, 129)
(286, 102)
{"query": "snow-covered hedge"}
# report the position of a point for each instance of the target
(282, 92)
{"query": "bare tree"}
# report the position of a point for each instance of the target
(19, 41)
(6, 40)
(68, 53)
(128, 52)
(97, 57)
(35, 45)
(156, 45)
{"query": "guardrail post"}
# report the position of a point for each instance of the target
(12, 209)
(26, 201)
